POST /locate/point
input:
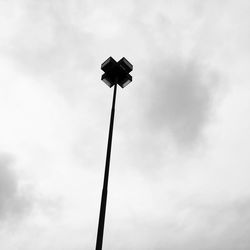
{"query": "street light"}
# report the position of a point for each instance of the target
(114, 73)
(117, 72)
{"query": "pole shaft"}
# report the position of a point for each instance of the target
(99, 239)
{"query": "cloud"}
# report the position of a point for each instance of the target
(171, 104)
(12, 201)
(187, 224)
(180, 99)
(213, 226)
(50, 39)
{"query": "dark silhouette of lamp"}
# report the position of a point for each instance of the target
(114, 73)
(117, 72)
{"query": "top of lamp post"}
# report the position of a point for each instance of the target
(117, 72)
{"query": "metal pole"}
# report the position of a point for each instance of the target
(106, 176)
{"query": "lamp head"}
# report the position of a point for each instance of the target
(117, 72)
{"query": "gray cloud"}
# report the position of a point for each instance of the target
(174, 101)
(12, 201)
(180, 99)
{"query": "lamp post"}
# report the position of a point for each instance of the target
(114, 73)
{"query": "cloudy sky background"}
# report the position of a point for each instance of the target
(180, 163)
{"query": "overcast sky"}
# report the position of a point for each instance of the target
(180, 165)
